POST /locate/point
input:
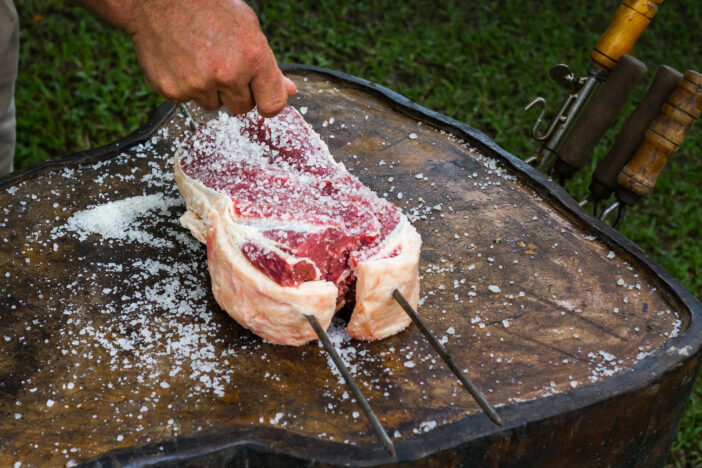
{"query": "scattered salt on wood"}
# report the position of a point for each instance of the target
(170, 287)
(120, 219)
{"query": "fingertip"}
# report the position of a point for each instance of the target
(270, 112)
(269, 95)
(290, 86)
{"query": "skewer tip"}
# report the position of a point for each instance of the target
(448, 358)
(495, 417)
(390, 447)
(380, 432)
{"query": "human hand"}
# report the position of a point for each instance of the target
(210, 51)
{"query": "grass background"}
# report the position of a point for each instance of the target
(480, 62)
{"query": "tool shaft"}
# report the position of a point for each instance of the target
(620, 217)
(189, 118)
(609, 210)
(447, 357)
(351, 382)
(329, 347)
(569, 111)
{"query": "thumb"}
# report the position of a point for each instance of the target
(269, 89)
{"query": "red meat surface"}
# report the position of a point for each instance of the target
(281, 178)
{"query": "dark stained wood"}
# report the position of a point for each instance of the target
(582, 369)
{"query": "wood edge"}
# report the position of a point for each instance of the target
(652, 368)
(238, 441)
(278, 441)
(140, 135)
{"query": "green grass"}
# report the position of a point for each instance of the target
(479, 62)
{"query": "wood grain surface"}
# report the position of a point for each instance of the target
(112, 342)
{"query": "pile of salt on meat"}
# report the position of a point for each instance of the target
(289, 231)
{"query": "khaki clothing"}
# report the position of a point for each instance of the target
(9, 55)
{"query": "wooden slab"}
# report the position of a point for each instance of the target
(113, 340)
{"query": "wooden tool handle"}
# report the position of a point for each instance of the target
(604, 180)
(598, 116)
(626, 27)
(662, 139)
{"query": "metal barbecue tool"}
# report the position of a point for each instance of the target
(329, 347)
(629, 22)
(380, 432)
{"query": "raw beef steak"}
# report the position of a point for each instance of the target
(289, 231)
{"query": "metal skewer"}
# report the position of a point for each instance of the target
(189, 118)
(380, 432)
(448, 358)
(355, 389)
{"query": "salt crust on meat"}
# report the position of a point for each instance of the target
(252, 297)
